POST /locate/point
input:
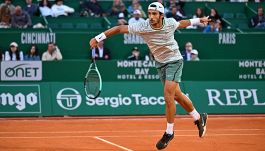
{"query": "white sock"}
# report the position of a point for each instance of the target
(196, 116)
(170, 128)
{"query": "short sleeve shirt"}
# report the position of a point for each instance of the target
(161, 42)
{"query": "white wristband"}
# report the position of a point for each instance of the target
(100, 37)
(194, 21)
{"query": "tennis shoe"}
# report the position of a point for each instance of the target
(201, 124)
(164, 141)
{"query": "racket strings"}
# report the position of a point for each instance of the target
(93, 83)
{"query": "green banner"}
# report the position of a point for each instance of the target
(24, 99)
(124, 70)
(128, 98)
(20, 99)
(117, 98)
(227, 97)
(145, 98)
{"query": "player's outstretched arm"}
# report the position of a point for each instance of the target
(195, 21)
(108, 33)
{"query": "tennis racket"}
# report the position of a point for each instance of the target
(93, 81)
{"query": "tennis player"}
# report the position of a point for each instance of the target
(158, 33)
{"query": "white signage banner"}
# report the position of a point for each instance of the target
(21, 70)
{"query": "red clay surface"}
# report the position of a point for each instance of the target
(130, 134)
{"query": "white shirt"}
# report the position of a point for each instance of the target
(133, 20)
(161, 42)
(100, 51)
(188, 56)
(56, 55)
(61, 10)
(13, 57)
(46, 11)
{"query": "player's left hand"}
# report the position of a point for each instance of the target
(93, 43)
(205, 20)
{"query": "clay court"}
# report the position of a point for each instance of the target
(224, 133)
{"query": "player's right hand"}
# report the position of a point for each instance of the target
(93, 43)
(205, 20)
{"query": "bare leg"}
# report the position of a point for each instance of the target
(199, 119)
(183, 100)
(169, 93)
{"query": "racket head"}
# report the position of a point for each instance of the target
(92, 83)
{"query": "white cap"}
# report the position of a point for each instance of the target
(156, 6)
(194, 51)
(121, 15)
(13, 44)
(137, 12)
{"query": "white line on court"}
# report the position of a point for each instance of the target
(126, 131)
(84, 136)
(108, 142)
(211, 117)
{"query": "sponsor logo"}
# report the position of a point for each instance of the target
(132, 39)
(37, 38)
(233, 97)
(253, 69)
(69, 99)
(134, 99)
(21, 70)
(139, 70)
(20, 99)
(227, 38)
